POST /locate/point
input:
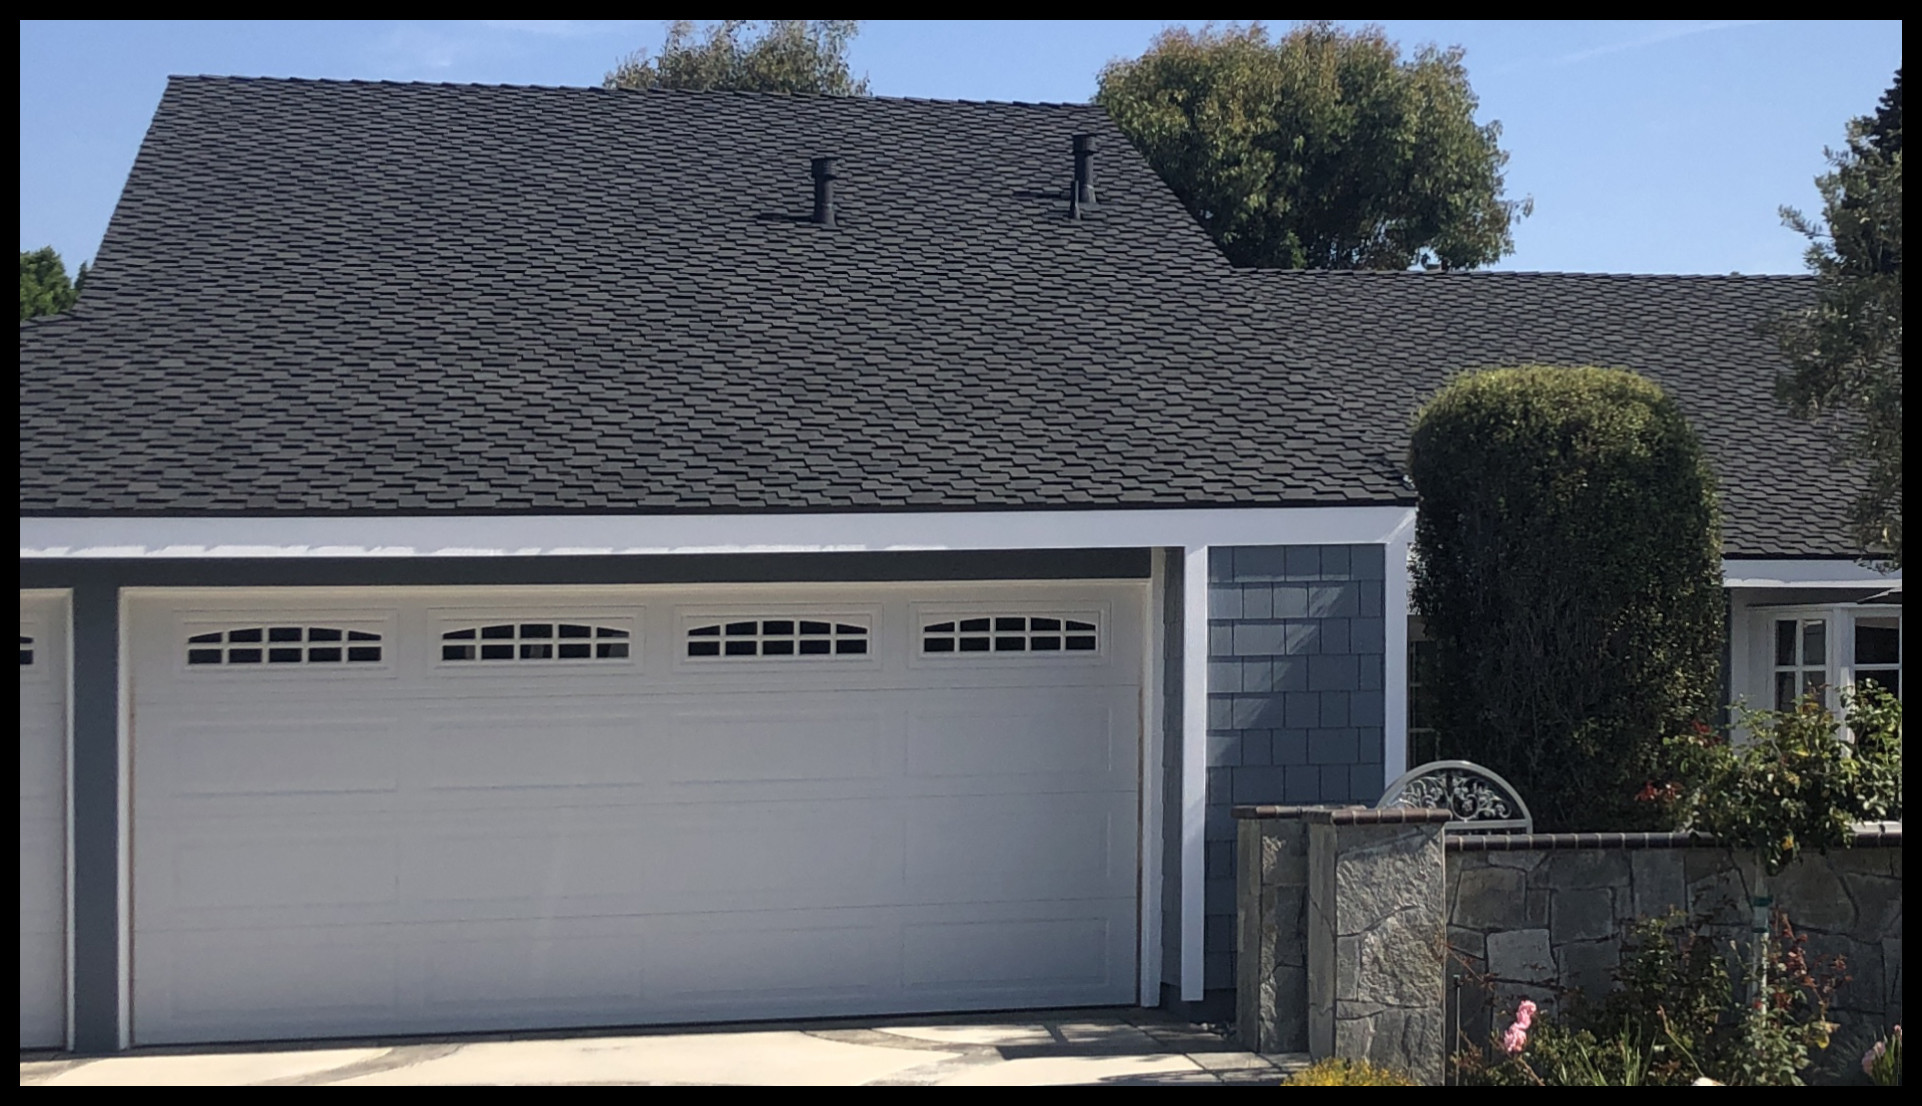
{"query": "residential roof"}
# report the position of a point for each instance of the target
(323, 297)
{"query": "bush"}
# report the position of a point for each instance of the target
(1673, 1019)
(1795, 783)
(1568, 566)
(1346, 1073)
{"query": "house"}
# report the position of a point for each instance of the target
(499, 558)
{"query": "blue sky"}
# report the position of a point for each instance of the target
(1646, 146)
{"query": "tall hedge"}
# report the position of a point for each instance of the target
(1568, 569)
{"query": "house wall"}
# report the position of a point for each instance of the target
(99, 845)
(1296, 647)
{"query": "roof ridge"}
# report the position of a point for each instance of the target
(213, 78)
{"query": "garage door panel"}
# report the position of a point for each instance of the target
(1023, 953)
(768, 740)
(277, 756)
(328, 867)
(437, 848)
(1001, 849)
(465, 750)
(235, 984)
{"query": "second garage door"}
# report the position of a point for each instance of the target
(386, 812)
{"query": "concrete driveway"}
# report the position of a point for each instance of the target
(1042, 1048)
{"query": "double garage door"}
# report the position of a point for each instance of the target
(440, 810)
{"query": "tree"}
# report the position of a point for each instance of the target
(44, 287)
(1321, 150)
(1568, 566)
(751, 55)
(1845, 351)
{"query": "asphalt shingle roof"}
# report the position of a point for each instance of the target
(341, 297)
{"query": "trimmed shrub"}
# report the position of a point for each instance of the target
(1568, 567)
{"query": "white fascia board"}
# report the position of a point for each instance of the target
(616, 535)
(1810, 573)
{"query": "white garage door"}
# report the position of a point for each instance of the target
(43, 822)
(455, 810)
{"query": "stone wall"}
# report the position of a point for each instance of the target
(1354, 943)
(1542, 916)
(1341, 950)
(1296, 641)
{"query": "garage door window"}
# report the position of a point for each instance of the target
(536, 641)
(1010, 634)
(26, 651)
(283, 645)
(777, 637)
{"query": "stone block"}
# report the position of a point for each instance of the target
(1469, 948)
(1812, 893)
(1488, 898)
(1526, 861)
(1581, 913)
(1588, 966)
(1521, 956)
(1655, 876)
(1589, 868)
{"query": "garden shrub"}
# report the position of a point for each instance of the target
(1794, 783)
(1568, 568)
(1675, 1018)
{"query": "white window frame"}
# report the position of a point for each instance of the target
(1839, 665)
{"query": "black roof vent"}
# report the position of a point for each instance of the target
(824, 179)
(1082, 194)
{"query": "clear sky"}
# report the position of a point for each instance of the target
(1649, 147)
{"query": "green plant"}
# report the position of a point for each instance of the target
(1672, 1019)
(1883, 1062)
(1796, 783)
(1335, 1072)
(1568, 570)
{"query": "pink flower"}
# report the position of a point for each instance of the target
(1516, 1038)
(1871, 1056)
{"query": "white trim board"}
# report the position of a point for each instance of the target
(1809, 573)
(612, 535)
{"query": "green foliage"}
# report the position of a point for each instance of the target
(750, 55)
(44, 287)
(1883, 1062)
(1845, 352)
(1568, 569)
(1319, 150)
(1673, 1019)
(1795, 783)
(1336, 1072)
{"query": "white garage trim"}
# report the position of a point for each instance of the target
(193, 824)
(53, 611)
(1811, 573)
(1194, 767)
(608, 535)
(1153, 738)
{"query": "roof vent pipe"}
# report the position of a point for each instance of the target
(824, 179)
(1083, 194)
